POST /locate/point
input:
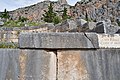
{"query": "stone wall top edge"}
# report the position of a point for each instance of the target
(58, 33)
(8, 49)
(19, 28)
(67, 33)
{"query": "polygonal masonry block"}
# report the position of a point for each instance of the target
(27, 65)
(71, 66)
(58, 40)
(101, 64)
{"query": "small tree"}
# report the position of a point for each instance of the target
(86, 16)
(49, 15)
(5, 14)
(64, 15)
(57, 20)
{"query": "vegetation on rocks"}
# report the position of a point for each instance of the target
(8, 45)
(17, 23)
(5, 14)
(57, 20)
(118, 22)
(22, 21)
(51, 17)
(12, 23)
(64, 15)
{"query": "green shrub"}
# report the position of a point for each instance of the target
(12, 23)
(8, 45)
(118, 23)
(57, 20)
(34, 23)
(22, 19)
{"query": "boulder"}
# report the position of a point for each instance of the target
(92, 25)
(1, 23)
(118, 31)
(66, 26)
(72, 24)
(83, 22)
(74, 30)
(48, 25)
(82, 25)
(61, 27)
(80, 22)
(99, 27)
(112, 29)
(106, 27)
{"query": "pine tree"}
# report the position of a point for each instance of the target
(64, 15)
(86, 16)
(49, 15)
(5, 14)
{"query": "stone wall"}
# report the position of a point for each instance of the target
(61, 56)
(11, 34)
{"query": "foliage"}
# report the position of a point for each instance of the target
(118, 23)
(34, 23)
(5, 14)
(86, 17)
(8, 45)
(57, 20)
(64, 15)
(22, 19)
(18, 23)
(12, 23)
(49, 15)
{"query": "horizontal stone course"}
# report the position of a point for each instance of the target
(58, 40)
(20, 28)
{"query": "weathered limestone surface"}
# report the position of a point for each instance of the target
(27, 65)
(109, 40)
(71, 66)
(58, 40)
(101, 64)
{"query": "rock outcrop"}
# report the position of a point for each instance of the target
(98, 10)
(62, 1)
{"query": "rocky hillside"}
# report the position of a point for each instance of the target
(94, 10)
(89, 10)
(35, 12)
